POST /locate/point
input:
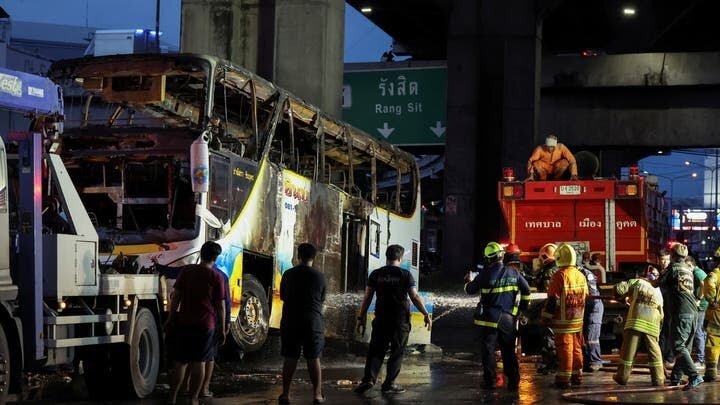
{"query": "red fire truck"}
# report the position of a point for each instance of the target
(622, 219)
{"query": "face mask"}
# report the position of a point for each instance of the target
(550, 142)
(651, 276)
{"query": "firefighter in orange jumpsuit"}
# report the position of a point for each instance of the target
(551, 160)
(564, 310)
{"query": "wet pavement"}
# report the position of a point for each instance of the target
(447, 380)
(451, 378)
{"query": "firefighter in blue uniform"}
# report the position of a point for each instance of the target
(594, 309)
(498, 286)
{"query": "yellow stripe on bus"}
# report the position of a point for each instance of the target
(136, 249)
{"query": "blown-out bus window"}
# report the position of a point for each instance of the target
(219, 188)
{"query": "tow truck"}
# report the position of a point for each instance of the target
(624, 220)
(57, 308)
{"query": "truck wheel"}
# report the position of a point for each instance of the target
(144, 354)
(250, 329)
(5, 368)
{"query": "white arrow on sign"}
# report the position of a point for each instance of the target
(385, 131)
(438, 129)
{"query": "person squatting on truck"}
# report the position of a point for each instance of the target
(678, 283)
(592, 323)
(711, 292)
(496, 312)
(551, 161)
(642, 324)
(564, 310)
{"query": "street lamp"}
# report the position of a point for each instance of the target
(672, 182)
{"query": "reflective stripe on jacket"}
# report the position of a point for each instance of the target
(499, 287)
(568, 289)
(646, 302)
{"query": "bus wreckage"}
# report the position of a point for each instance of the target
(281, 172)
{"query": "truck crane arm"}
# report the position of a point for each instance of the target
(30, 94)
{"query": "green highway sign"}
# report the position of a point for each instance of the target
(404, 106)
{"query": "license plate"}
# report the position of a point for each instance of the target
(570, 190)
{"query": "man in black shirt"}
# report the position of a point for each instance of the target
(391, 325)
(302, 290)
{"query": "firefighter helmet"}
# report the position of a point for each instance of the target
(680, 250)
(494, 251)
(547, 253)
(565, 255)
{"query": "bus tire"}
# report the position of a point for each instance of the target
(5, 367)
(144, 355)
(250, 328)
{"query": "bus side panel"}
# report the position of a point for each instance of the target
(308, 213)
(253, 230)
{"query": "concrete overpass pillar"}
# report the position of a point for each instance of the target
(309, 50)
(296, 44)
(494, 55)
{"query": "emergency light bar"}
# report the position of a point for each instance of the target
(626, 190)
(512, 191)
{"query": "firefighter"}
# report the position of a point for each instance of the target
(592, 323)
(642, 324)
(498, 286)
(512, 256)
(711, 292)
(547, 268)
(564, 310)
(551, 160)
(542, 281)
(678, 283)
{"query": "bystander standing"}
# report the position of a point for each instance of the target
(391, 325)
(302, 291)
(198, 297)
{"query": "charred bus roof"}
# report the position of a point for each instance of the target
(139, 81)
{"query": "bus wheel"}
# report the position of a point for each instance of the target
(4, 367)
(144, 354)
(250, 329)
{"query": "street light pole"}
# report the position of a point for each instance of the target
(713, 193)
(672, 184)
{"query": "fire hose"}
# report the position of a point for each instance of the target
(577, 396)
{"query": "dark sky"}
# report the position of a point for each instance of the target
(364, 42)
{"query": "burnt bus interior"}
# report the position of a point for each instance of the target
(138, 115)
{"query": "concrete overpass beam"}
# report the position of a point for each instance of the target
(641, 69)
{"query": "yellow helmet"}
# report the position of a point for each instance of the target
(547, 253)
(565, 255)
(494, 251)
(680, 250)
